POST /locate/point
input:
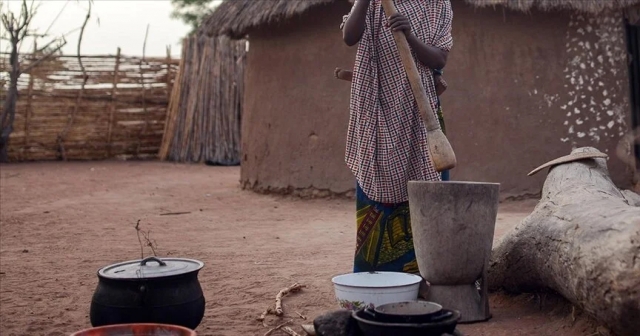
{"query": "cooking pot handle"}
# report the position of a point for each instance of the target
(370, 312)
(147, 259)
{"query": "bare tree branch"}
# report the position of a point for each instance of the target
(7, 22)
(84, 25)
(26, 14)
(63, 42)
(56, 18)
(63, 134)
(144, 105)
(16, 29)
(43, 58)
(24, 17)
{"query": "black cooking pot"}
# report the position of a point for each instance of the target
(152, 290)
(443, 323)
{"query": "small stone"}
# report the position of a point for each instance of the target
(336, 323)
(25, 251)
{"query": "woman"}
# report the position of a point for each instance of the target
(386, 138)
(441, 86)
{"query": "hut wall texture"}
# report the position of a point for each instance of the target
(295, 113)
(523, 89)
(121, 112)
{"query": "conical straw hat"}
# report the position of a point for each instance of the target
(570, 158)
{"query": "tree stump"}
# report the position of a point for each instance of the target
(581, 241)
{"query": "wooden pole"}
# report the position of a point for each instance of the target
(112, 106)
(193, 78)
(28, 111)
(169, 74)
(173, 107)
(144, 92)
(167, 134)
(85, 77)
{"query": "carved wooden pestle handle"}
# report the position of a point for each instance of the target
(426, 111)
(440, 150)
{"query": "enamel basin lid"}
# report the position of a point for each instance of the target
(150, 268)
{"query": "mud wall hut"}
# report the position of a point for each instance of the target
(528, 80)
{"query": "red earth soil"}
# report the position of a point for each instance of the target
(61, 222)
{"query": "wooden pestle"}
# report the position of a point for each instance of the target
(440, 150)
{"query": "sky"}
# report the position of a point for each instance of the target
(113, 24)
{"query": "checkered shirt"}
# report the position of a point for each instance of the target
(387, 138)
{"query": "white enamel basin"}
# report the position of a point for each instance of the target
(356, 290)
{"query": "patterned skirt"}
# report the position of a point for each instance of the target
(384, 241)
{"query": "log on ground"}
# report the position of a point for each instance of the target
(581, 241)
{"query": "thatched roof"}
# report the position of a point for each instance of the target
(235, 17)
(588, 6)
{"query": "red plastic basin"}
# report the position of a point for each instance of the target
(138, 329)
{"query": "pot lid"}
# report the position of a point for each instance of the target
(150, 268)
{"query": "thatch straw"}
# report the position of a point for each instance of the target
(236, 17)
(587, 6)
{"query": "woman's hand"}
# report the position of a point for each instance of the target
(441, 85)
(399, 22)
(354, 26)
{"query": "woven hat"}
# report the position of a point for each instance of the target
(570, 158)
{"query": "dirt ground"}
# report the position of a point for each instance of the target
(61, 222)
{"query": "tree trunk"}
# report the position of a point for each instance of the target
(582, 241)
(7, 127)
(9, 107)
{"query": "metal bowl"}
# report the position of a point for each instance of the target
(408, 312)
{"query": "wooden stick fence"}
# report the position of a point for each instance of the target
(203, 118)
(120, 114)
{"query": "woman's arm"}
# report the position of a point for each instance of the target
(355, 24)
(432, 57)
